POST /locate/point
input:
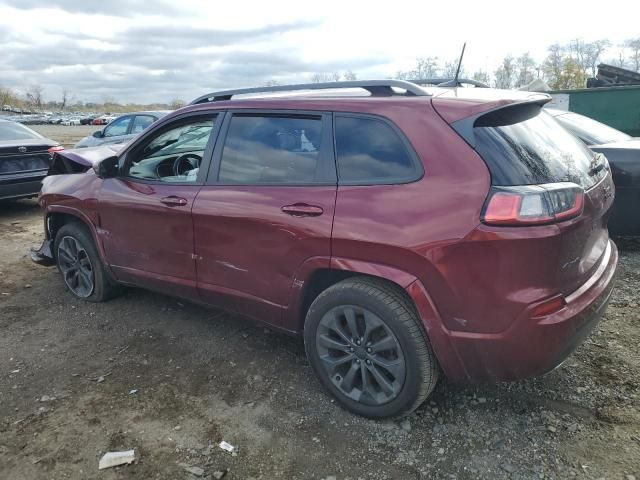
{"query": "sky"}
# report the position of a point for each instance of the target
(145, 51)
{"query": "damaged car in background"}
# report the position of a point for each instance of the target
(25, 158)
(623, 153)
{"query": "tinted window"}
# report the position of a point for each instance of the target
(590, 131)
(118, 127)
(173, 155)
(271, 149)
(535, 150)
(15, 131)
(371, 151)
(141, 122)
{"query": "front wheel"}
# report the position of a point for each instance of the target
(368, 347)
(80, 264)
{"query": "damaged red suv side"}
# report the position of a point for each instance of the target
(404, 233)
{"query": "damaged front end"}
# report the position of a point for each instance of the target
(80, 160)
(44, 255)
(65, 176)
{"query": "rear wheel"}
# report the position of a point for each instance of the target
(366, 343)
(80, 264)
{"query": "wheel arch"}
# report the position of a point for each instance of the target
(316, 276)
(320, 279)
(58, 216)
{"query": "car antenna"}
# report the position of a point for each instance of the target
(454, 82)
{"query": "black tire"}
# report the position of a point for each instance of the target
(102, 288)
(359, 298)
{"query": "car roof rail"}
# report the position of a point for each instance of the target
(449, 82)
(375, 87)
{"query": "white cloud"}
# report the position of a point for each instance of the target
(147, 51)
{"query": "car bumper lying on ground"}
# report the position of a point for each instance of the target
(532, 345)
(20, 185)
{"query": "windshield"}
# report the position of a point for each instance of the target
(534, 150)
(15, 131)
(190, 137)
(591, 131)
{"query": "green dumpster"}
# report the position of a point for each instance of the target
(618, 107)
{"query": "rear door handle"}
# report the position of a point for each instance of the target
(302, 210)
(173, 201)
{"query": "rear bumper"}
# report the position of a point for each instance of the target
(21, 185)
(530, 346)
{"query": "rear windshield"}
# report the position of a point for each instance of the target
(591, 131)
(534, 149)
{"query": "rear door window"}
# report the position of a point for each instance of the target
(140, 123)
(534, 149)
(370, 151)
(271, 149)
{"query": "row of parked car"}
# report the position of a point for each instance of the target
(58, 118)
(405, 234)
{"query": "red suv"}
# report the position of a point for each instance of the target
(404, 233)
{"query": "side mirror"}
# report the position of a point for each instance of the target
(98, 134)
(107, 168)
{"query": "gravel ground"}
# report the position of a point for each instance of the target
(69, 370)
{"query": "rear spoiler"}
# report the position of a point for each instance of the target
(502, 115)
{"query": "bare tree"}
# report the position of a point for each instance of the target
(272, 83)
(176, 103)
(65, 99)
(34, 95)
(321, 78)
(633, 44)
(326, 77)
(593, 54)
(450, 69)
(587, 54)
(6, 96)
(427, 67)
(481, 76)
(526, 69)
(349, 75)
(505, 74)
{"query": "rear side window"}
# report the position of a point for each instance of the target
(265, 149)
(141, 122)
(534, 149)
(369, 151)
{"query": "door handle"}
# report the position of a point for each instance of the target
(302, 210)
(173, 201)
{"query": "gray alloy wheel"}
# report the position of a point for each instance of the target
(360, 354)
(75, 264)
(368, 347)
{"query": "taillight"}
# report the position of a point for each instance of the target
(57, 148)
(550, 306)
(533, 204)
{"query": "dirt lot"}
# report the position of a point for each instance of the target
(68, 369)
(67, 136)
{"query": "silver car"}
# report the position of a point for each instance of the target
(122, 129)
